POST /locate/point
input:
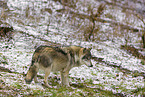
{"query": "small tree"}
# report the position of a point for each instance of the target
(93, 18)
(143, 39)
(143, 29)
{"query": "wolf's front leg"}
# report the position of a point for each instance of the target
(65, 79)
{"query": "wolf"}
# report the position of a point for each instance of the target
(53, 59)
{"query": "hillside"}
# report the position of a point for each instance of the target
(112, 28)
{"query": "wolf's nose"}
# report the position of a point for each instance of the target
(91, 65)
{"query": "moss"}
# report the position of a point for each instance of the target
(143, 62)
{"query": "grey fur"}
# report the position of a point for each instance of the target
(57, 59)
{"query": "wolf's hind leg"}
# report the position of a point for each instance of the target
(47, 72)
(37, 69)
(35, 79)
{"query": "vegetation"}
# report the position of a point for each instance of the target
(114, 29)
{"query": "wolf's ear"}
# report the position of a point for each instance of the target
(84, 50)
(89, 49)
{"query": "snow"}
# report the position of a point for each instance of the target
(19, 56)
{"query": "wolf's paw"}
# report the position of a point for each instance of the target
(36, 81)
(65, 85)
(47, 85)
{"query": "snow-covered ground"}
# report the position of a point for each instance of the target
(22, 47)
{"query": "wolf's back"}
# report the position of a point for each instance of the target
(44, 48)
(37, 52)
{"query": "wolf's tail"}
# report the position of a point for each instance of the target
(32, 72)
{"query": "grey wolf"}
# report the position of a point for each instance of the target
(57, 59)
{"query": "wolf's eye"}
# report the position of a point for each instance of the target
(84, 57)
(88, 57)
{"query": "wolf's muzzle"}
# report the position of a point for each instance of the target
(91, 65)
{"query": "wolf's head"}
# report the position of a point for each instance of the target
(85, 56)
(82, 56)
